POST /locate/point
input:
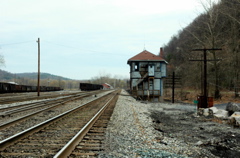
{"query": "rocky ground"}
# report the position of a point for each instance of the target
(143, 129)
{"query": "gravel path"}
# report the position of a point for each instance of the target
(132, 131)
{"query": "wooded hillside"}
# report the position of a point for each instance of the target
(46, 79)
(217, 27)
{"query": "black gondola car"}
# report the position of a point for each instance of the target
(15, 88)
(90, 87)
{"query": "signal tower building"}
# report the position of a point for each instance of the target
(147, 72)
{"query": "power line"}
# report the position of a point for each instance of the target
(52, 43)
(95, 51)
(62, 45)
(73, 47)
(6, 44)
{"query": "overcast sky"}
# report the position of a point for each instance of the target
(81, 39)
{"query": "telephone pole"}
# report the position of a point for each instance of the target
(204, 102)
(173, 86)
(38, 84)
(171, 82)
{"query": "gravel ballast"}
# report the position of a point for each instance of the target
(143, 129)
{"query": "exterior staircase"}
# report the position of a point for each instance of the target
(141, 79)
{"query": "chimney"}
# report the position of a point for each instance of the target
(161, 53)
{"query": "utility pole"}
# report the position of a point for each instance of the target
(171, 82)
(173, 86)
(204, 104)
(38, 84)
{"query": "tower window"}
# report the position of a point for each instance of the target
(136, 67)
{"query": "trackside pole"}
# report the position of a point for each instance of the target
(38, 84)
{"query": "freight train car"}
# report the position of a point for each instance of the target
(15, 88)
(90, 87)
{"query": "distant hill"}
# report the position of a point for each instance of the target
(4, 75)
(34, 75)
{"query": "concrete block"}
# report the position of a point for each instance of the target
(212, 111)
(203, 111)
(236, 114)
(235, 119)
(233, 107)
(223, 114)
(206, 112)
(200, 111)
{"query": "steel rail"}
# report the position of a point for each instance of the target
(14, 99)
(70, 146)
(31, 97)
(6, 142)
(2, 126)
(30, 106)
(50, 97)
(34, 113)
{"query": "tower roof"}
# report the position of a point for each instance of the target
(146, 56)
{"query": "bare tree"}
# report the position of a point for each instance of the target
(213, 14)
(231, 12)
(217, 27)
(232, 7)
(209, 33)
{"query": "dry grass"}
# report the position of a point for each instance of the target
(189, 95)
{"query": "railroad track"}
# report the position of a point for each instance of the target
(90, 140)
(9, 110)
(47, 138)
(18, 97)
(29, 96)
(28, 115)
